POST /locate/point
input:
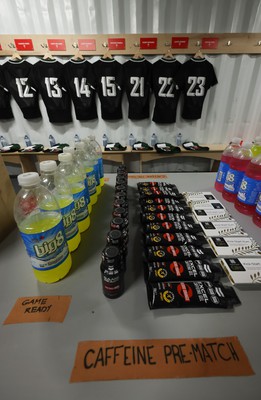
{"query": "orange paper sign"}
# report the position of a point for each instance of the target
(39, 309)
(159, 359)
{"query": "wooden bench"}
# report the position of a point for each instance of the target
(28, 160)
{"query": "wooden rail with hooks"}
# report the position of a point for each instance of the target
(128, 44)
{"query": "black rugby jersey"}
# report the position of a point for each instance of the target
(194, 79)
(137, 84)
(165, 90)
(107, 79)
(43, 78)
(5, 105)
(75, 77)
(16, 75)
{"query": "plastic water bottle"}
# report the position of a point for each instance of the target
(224, 163)
(40, 223)
(83, 158)
(257, 213)
(80, 166)
(250, 187)
(52, 140)
(90, 150)
(27, 141)
(54, 181)
(98, 150)
(153, 139)
(76, 181)
(104, 140)
(3, 141)
(237, 167)
(132, 139)
(77, 138)
(256, 149)
(179, 139)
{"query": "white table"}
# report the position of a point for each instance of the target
(37, 359)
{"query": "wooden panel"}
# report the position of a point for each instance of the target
(7, 196)
(228, 43)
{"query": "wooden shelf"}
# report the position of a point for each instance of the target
(228, 43)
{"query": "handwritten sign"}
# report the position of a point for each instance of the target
(159, 359)
(39, 309)
(148, 176)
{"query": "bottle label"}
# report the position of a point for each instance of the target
(80, 205)
(48, 249)
(97, 173)
(258, 206)
(233, 180)
(249, 191)
(70, 221)
(101, 171)
(91, 182)
(222, 172)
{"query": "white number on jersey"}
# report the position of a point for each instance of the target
(53, 89)
(82, 88)
(108, 86)
(138, 88)
(167, 86)
(23, 88)
(194, 81)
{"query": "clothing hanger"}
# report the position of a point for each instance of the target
(48, 56)
(15, 56)
(77, 56)
(199, 54)
(137, 55)
(168, 55)
(107, 55)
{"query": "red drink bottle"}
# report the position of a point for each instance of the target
(237, 167)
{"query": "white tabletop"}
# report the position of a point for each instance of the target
(37, 358)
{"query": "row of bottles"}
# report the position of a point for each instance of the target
(132, 139)
(113, 263)
(53, 209)
(239, 177)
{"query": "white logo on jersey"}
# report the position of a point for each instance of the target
(23, 88)
(52, 88)
(83, 88)
(138, 88)
(167, 86)
(193, 81)
(108, 86)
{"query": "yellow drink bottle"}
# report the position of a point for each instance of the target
(40, 223)
(78, 188)
(256, 149)
(54, 181)
(83, 158)
(98, 150)
(81, 167)
(92, 155)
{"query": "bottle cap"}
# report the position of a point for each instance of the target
(111, 252)
(28, 179)
(65, 157)
(115, 234)
(236, 140)
(48, 166)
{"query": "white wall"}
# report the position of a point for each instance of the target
(231, 108)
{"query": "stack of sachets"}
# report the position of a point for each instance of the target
(179, 265)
